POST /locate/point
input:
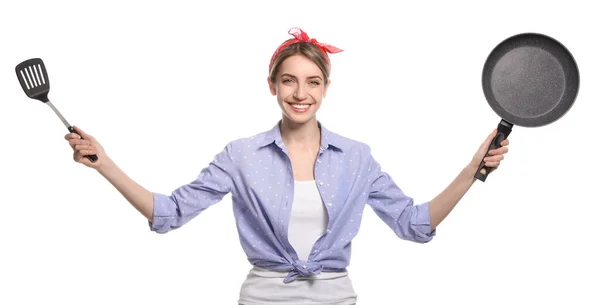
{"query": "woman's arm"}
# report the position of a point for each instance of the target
(442, 204)
(138, 196)
(164, 212)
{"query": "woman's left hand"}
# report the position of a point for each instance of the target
(497, 154)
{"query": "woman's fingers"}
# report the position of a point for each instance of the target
(84, 147)
(497, 158)
(85, 152)
(499, 151)
(82, 133)
(74, 139)
(71, 135)
(493, 161)
(75, 142)
(80, 155)
(492, 164)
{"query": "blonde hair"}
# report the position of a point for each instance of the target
(306, 49)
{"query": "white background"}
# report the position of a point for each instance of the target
(165, 85)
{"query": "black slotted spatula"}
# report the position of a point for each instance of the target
(33, 77)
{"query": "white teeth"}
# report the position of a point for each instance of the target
(300, 106)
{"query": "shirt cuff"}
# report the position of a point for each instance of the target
(421, 223)
(161, 214)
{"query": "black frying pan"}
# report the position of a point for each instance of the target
(529, 80)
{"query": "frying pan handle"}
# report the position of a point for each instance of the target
(92, 158)
(504, 129)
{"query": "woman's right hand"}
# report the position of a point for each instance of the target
(86, 146)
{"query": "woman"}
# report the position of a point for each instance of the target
(298, 190)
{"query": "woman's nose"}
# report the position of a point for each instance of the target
(300, 93)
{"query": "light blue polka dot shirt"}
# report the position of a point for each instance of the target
(258, 173)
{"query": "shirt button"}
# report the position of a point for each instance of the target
(321, 183)
(318, 161)
(329, 204)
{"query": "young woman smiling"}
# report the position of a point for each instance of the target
(298, 190)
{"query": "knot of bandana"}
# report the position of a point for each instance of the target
(301, 36)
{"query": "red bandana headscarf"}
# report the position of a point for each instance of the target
(301, 36)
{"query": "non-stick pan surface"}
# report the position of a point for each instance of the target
(529, 80)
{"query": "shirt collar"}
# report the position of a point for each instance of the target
(328, 138)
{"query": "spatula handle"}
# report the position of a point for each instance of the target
(92, 158)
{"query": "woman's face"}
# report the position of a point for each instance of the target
(299, 88)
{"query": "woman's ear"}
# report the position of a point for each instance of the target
(271, 86)
(326, 87)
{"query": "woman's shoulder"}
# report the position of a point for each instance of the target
(249, 141)
(346, 143)
(246, 145)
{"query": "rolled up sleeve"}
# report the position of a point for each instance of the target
(165, 216)
(421, 223)
(188, 201)
(407, 220)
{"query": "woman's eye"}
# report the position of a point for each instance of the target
(287, 81)
(316, 83)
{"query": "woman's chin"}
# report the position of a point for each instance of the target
(299, 118)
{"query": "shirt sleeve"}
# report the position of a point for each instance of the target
(397, 210)
(186, 202)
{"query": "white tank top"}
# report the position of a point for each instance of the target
(308, 221)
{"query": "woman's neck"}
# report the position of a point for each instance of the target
(305, 135)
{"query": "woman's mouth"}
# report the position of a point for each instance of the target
(300, 107)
